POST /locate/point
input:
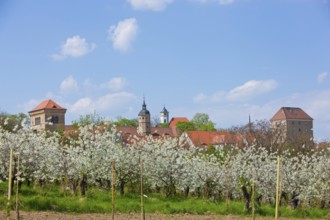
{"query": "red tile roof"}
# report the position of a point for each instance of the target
(208, 138)
(127, 133)
(47, 104)
(174, 121)
(286, 113)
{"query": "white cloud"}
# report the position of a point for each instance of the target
(107, 103)
(226, 2)
(248, 90)
(321, 77)
(82, 106)
(69, 85)
(29, 105)
(251, 89)
(221, 2)
(123, 34)
(115, 84)
(74, 47)
(214, 98)
(154, 5)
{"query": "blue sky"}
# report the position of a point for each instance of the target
(226, 58)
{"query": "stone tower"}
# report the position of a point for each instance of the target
(164, 116)
(48, 115)
(144, 120)
(292, 125)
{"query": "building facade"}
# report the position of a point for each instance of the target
(48, 115)
(164, 116)
(144, 123)
(292, 125)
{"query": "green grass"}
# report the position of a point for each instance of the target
(54, 198)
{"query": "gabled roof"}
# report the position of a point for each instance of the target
(174, 121)
(208, 138)
(127, 133)
(287, 113)
(47, 104)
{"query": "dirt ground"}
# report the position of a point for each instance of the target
(134, 216)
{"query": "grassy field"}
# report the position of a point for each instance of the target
(53, 198)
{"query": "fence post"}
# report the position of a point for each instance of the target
(9, 182)
(17, 186)
(253, 195)
(142, 201)
(113, 189)
(277, 187)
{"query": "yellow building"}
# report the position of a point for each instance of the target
(48, 115)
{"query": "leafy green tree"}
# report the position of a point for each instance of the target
(89, 119)
(200, 122)
(126, 122)
(186, 126)
(201, 118)
(10, 121)
(163, 125)
(203, 123)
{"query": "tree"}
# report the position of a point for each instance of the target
(163, 125)
(126, 122)
(186, 126)
(202, 122)
(201, 118)
(89, 119)
(10, 121)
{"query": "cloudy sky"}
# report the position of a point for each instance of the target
(226, 58)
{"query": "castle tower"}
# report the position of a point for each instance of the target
(144, 120)
(292, 125)
(48, 115)
(164, 116)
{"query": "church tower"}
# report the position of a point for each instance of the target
(144, 120)
(164, 116)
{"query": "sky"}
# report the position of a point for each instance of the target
(226, 58)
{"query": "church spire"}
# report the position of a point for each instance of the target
(144, 119)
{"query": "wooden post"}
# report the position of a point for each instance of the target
(113, 189)
(9, 182)
(277, 188)
(253, 192)
(17, 186)
(142, 201)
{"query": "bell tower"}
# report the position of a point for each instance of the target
(164, 115)
(144, 120)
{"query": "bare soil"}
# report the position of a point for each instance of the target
(133, 216)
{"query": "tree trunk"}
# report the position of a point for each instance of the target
(83, 185)
(108, 184)
(198, 192)
(186, 191)
(246, 196)
(294, 200)
(74, 187)
(157, 189)
(121, 187)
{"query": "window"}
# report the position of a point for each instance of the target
(54, 120)
(37, 121)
